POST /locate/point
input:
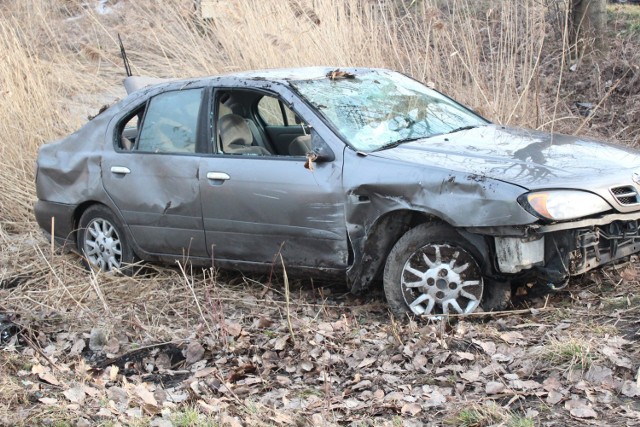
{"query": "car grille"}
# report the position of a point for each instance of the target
(625, 195)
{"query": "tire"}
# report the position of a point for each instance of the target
(103, 242)
(433, 270)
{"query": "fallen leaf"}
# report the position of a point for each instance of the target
(280, 418)
(367, 362)
(113, 373)
(580, 409)
(613, 356)
(436, 398)
(361, 385)
(38, 369)
(503, 358)
(233, 329)
(227, 420)
(462, 355)
(599, 374)
(412, 409)
(77, 347)
(306, 365)
(630, 389)
(470, 376)
(554, 397)
(583, 413)
(49, 378)
(524, 385)
(281, 343)
(75, 395)
(512, 337)
(195, 352)
(145, 395)
(494, 387)
(487, 346)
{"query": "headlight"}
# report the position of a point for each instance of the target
(561, 205)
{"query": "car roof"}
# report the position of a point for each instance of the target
(284, 75)
(276, 75)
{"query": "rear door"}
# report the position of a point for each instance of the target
(152, 175)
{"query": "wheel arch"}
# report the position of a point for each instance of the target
(82, 208)
(370, 255)
(382, 235)
(77, 214)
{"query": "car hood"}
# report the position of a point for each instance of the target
(527, 158)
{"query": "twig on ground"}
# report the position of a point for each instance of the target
(287, 299)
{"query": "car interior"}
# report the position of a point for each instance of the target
(250, 122)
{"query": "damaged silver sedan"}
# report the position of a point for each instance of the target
(358, 174)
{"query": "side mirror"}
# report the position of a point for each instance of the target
(320, 149)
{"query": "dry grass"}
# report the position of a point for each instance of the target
(62, 59)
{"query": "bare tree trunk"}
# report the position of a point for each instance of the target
(589, 23)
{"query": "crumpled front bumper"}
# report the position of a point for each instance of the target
(552, 253)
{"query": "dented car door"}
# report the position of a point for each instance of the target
(154, 182)
(255, 207)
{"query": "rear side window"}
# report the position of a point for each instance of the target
(171, 122)
(274, 113)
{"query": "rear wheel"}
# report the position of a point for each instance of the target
(433, 270)
(103, 242)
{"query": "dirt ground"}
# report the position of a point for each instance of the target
(243, 354)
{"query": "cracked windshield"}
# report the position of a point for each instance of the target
(378, 110)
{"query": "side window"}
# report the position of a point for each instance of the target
(270, 112)
(274, 113)
(128, 131)
(170, 123)
(250, 122)
(291, 117)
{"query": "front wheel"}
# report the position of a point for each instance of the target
(102, 240)
(432, 270)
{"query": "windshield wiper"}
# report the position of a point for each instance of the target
(399, 142)
(463, 128)
(402, 141)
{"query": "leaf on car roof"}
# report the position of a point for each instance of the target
(339, 74)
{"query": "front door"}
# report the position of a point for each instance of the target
(255, 207)
(258, 201)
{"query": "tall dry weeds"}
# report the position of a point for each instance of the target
(62, 58)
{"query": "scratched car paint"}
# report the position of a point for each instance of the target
(360, 174)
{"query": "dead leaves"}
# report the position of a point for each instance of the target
(338, 74)
(579, 408)
(351, 368)
(194, 352)
(44, 373)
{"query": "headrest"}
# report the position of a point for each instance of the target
(234, 131)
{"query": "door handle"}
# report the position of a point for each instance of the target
(217, 176)
(120, 170)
